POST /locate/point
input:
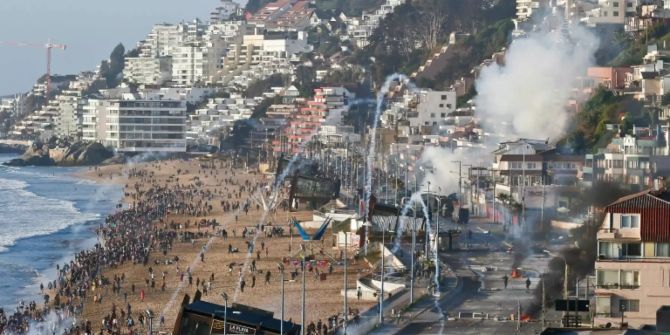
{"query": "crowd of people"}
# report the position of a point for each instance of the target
(145, 228)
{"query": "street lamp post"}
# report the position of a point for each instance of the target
(302, 329)
(281, 272)
(225, 313)
(346, 288)
(381, 295)
(460, 181)
(411, 288)
(411, 276)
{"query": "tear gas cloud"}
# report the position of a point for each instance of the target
(528, 94)
(531, 89)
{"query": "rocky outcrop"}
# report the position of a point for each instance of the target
(80, 153)
(63, 154)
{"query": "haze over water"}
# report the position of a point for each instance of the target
(90, 29)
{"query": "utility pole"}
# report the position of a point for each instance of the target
(460, 178)
(544, 303)
(381, 295)
(518, 315)
(281, 326)
(304, 325)
(346, 288)
(411, 287)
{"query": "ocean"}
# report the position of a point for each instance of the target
(46, 216)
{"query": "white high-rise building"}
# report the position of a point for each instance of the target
(145, 124)
(68, 120)
(148, 70)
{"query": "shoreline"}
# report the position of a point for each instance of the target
(181, 173)
(58, 246)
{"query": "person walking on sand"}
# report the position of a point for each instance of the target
(527, 283)
(142, 295)
(505, 280)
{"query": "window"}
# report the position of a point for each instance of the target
(615, 4)
(607, 278)
(604, 305)
(629, 4)
(443, 115)
(609, 250)
(630, 279)
(630, 221)
(530, 165)
(441, 105)
(444, 97)
(449, 106)
(632, 250)
(662, 250)
(615, 13)
(629, 305)
(515, 165)
(432, 115)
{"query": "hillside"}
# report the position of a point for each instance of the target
(394, 45)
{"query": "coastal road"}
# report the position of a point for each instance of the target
(482, 290)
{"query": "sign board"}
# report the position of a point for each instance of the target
(572, 305)
(232, 328)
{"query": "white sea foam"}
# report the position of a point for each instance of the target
(25, 214)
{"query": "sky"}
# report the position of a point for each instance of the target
(89, 28)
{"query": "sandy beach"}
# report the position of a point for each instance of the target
(323, 298)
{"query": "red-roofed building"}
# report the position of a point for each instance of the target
(327, 107)
(633, 266)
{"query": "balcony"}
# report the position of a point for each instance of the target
(616, 286)
(607, 233)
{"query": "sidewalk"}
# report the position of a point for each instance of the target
(451, 287)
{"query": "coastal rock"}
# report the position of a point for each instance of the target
(80, 153)
(63, 154)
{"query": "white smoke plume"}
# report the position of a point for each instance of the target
(530, 91)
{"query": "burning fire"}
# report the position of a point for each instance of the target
(516, 273)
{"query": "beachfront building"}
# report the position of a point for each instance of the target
(633, 265)
(137, 123)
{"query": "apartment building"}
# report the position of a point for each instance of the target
(326, 108)
(260, 46)
(16, 106)
(69, 117)
(360, 29)
(627, 160)
(526, 8)
(432, 108)
(533, 173)
(225, 11)
(137, 123)
(94, 120)
(613, 12)
(633, 265)
(148, 70)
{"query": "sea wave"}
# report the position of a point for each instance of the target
(25, 214)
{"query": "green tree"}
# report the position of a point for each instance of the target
(111, 70)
